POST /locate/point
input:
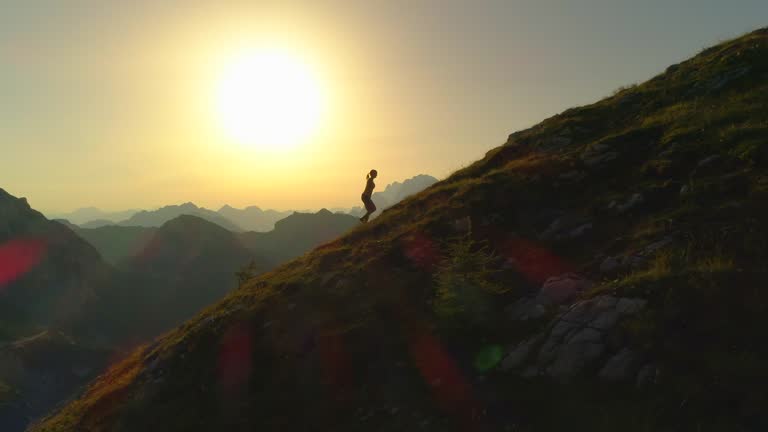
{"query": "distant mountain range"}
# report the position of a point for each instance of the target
(93, 215)
(253, 218)
(156, 218)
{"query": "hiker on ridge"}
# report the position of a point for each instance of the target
(370, 207)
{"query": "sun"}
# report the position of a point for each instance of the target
(269, 99)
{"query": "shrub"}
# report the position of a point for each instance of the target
(464, 285)
(247, 272)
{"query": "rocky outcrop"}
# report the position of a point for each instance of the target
(576, 342)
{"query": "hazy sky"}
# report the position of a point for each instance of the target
(109, 103)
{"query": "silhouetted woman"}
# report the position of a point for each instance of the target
(370, 207)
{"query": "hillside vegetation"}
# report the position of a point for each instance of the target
(603, 270)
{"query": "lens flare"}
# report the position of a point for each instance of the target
(17, 257)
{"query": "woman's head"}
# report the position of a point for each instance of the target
(373, 173)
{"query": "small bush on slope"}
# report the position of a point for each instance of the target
(463, 284)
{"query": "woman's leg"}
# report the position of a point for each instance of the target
(370, 207)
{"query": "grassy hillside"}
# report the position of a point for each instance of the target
(649, 208)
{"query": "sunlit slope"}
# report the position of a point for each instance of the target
(354, 335)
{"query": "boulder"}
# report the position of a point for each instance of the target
(647, 376)
(516, 358)
(727, 78)
(572, 358)
(528, 308)
(572, 176)
(610, 265)
(578, 340)
(631, 203)
(579, 231)
(564, 288)
(595, 159)
(620, 367)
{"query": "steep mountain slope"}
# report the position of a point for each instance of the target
(47, 275)
(187, 264)
(298, 233)
(253, 218)
(117, 243)
(46, 271)
(624, 291)
(162, 215)
(41, 371)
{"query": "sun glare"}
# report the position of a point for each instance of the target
(269, 99)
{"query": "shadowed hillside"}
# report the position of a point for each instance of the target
(298, 233)
(47, 272)
(187, 264)
(40, 371)
(603, 270)
(117, 243)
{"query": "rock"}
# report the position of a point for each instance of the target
(463, 225)
(708, 161)
(610, 265)
(556, 225)
(566, 227)
(576, 341)
(566, 287)
(685, 189)
(728, 77)
(573, 358)
(620, 367)
(579, 231)
(605, 320)
(557, 142)
(657, 246)
(647, 376)
(634, 261)
(588, 310)
(530, 372)
(628, 306)
(592, 160)
(517, 357)
(572, 176)
(528, 308)
(562, 329)
(586, 335)
(631, 203)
